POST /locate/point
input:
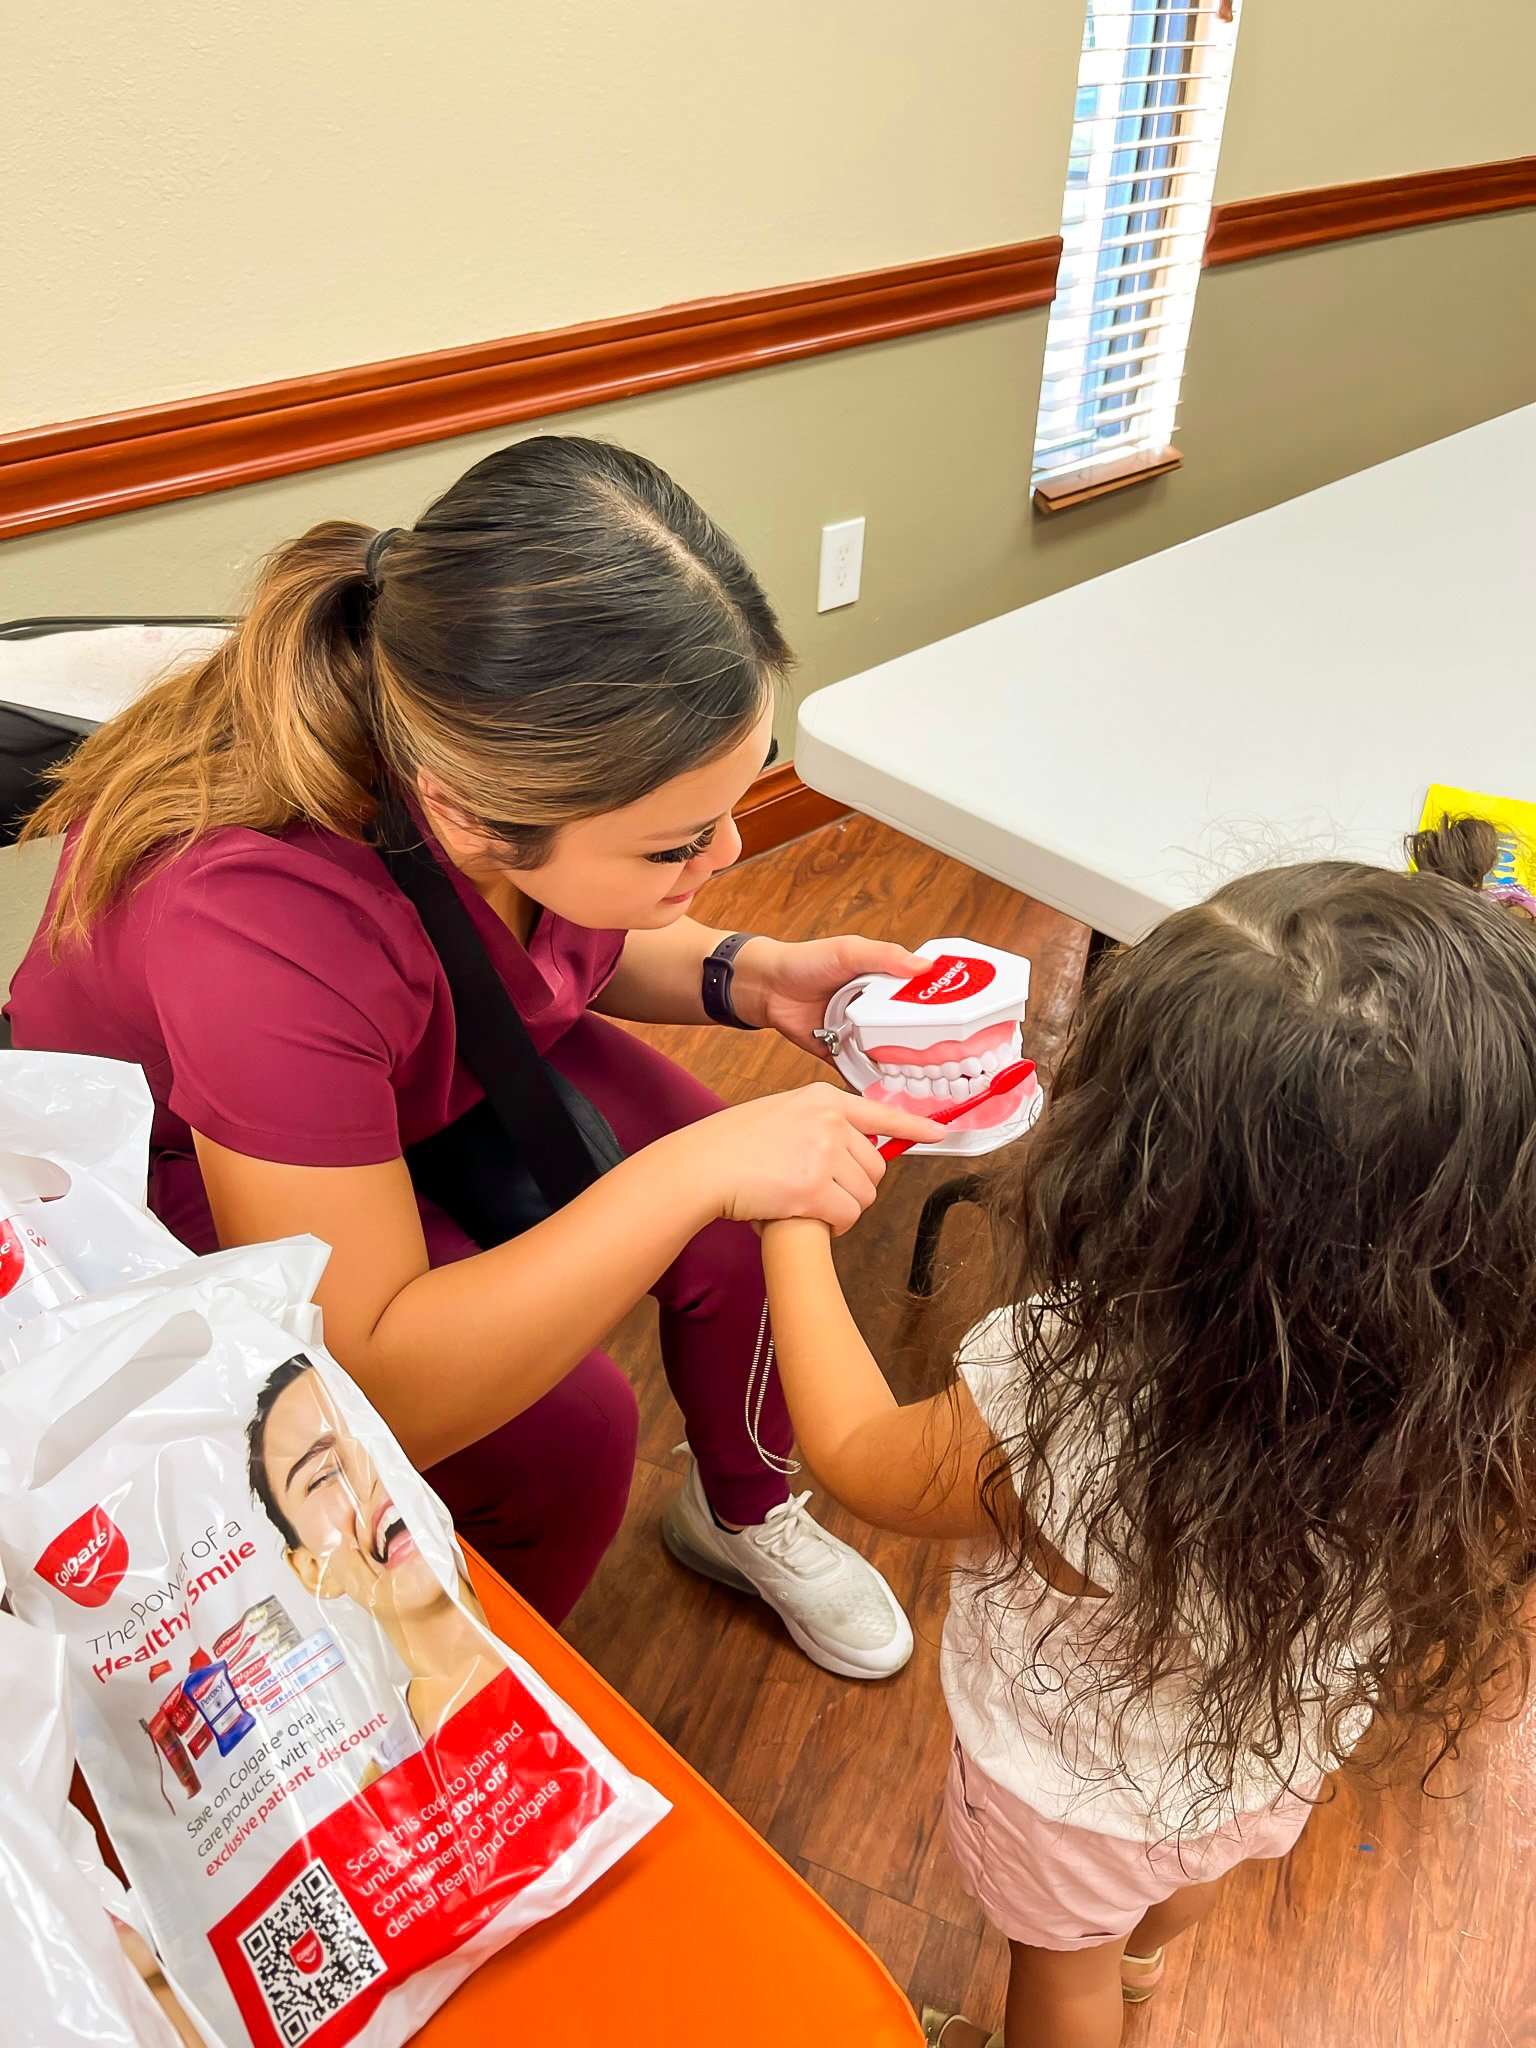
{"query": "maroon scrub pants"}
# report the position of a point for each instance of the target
(542, 1497)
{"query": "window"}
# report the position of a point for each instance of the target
(1146, 129)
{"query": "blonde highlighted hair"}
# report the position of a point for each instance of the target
(562, 631)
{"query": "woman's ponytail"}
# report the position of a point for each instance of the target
(275, 725)
(560, 633)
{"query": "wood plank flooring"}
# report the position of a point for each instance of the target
(1398, 1920)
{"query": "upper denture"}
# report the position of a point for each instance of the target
(948, 1051)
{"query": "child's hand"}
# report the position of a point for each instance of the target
(788, 985)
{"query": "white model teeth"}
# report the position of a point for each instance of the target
(949, 1080)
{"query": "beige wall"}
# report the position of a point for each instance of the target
(248, 193)
(206, 193)
(1302, 368)
(1328, 91)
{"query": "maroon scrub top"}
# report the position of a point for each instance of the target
(283, 999)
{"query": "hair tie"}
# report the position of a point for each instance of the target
(376, 547)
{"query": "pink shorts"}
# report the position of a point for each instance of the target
(1048, 1884)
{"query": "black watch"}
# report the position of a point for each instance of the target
(719, 973)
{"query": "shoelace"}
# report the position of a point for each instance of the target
(787, 1525)
(782, 1527)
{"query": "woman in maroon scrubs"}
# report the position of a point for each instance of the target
(566, 670)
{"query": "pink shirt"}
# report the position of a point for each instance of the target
(283, 999)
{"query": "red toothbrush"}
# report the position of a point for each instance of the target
(1002, 1083)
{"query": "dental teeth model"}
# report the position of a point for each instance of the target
(939, 1037)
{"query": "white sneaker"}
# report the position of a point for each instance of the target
(833, 1602)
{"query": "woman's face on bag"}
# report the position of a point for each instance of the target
(637, 869)
(352, 1538)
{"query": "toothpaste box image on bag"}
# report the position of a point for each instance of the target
(333, 1790)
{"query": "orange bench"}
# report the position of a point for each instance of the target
(700, 1935)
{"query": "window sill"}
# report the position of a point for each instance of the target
(1079, 486)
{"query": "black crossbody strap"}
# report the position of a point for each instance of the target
(492, 1037)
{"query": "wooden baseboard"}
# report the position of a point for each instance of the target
(779, 807)
(1245, 228)
(87, 469)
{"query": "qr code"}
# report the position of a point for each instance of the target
(309, 1954)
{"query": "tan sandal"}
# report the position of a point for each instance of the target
(934, 2024)
(1138, 1994)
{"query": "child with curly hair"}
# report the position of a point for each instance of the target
(1243, 1455)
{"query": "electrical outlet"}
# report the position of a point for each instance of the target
(842, 564)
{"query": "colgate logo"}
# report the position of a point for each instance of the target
(13, 1257)
(307, 1953)
(951, 978)
(86, 1561)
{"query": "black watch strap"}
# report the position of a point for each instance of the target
(719, 972)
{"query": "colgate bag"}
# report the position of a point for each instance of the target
(333, 1790)
(74, 1163)
(65, 1973)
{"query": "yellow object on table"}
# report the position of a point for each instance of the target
(1514, 821)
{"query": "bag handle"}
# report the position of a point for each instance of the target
(492, 1037)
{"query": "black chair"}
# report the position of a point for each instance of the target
(962, 1187)
(33, 740)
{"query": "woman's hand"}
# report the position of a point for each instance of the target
(789, 986)
(805, 1153)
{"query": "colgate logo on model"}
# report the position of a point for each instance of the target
(951, 978)
(86, 1561)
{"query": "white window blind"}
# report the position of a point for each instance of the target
(1151, 98)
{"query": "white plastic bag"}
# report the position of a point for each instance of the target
(74, 1163)
(334, 1792)
(64, 1974)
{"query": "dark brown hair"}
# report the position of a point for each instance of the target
(1271, 1255)
(260, 1478)
(562, 632)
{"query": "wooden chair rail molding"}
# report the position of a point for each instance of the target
(1337, 213)
(86, 469)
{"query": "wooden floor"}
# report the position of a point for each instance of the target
(1398, 1920)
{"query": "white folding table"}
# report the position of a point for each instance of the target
(1288, 686)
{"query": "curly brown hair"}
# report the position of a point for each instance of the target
(1273, 1250)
